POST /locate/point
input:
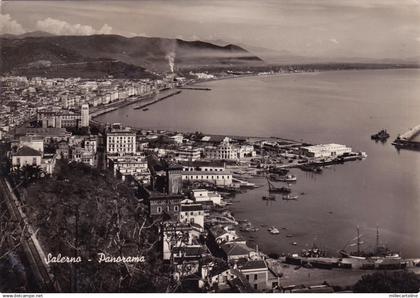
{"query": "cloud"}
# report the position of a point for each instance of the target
(59, 27)
(9, 26)
(333, 40)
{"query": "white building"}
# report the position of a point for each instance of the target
(188, 153)
(325, 150)
(192, 214)
(26, 156)
(130, 165)
(218, 178)
(85, 116)
(91, 144)
(204, 195)
(120, 141)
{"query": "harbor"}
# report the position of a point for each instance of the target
(337, 197)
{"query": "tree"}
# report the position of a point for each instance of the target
(388, 282)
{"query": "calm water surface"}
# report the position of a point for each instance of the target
(343, 107)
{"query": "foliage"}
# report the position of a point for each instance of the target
(388, 282)
(83, 212)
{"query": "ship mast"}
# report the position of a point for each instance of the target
(358, 241)
(377, 239)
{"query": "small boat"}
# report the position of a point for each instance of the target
(273, 230)
(289, 235)
(288, 178)
(294, 243)
(145, 109)
(269, 198)
(290, 198)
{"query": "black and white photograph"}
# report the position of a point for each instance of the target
(209, 146)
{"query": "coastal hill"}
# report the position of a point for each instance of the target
(98, 55)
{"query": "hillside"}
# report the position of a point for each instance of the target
(35, 54)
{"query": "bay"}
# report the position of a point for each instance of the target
(342, 107)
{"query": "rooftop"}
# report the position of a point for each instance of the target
(254, 264)
(27, 151)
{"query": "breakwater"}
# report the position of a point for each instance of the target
(157, 100)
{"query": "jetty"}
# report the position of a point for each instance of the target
(196, 88)
(408, 140)
(157, 100)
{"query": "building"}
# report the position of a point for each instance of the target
(26, 156)
(84, 156)
(218, 178)
(259, 276)
(234, 251)
(188, 153)
(130, 165)
(164, 204)
(325, 150)
(177, 234)
(205, 166)
(120, 140)
(204, 195)
(192, 214)
(225, 151)
(84, 122)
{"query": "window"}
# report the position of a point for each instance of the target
(176, 208)
(255, 276)
(247, 277)
(18, 160)
(34, 160)
(256, 286)
(159, 209)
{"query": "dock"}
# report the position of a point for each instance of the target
(196, 88)
(157, 100)
(407, 139)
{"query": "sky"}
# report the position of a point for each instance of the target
(311, 28)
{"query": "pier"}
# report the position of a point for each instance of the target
(157, 100)
(407, 139)
(196, 88)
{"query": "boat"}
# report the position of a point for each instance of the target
(294, 243)
(288, 178)
(274, 230)
(290, 198)
(382, 136)
(269, 198)
(274, 189)
(311, 168)
(145, 109)
(289, 235)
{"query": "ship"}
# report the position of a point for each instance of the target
(380, 258)
(382, 136)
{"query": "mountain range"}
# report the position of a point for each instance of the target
(40, 53)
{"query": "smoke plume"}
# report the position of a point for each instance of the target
(171, 60)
